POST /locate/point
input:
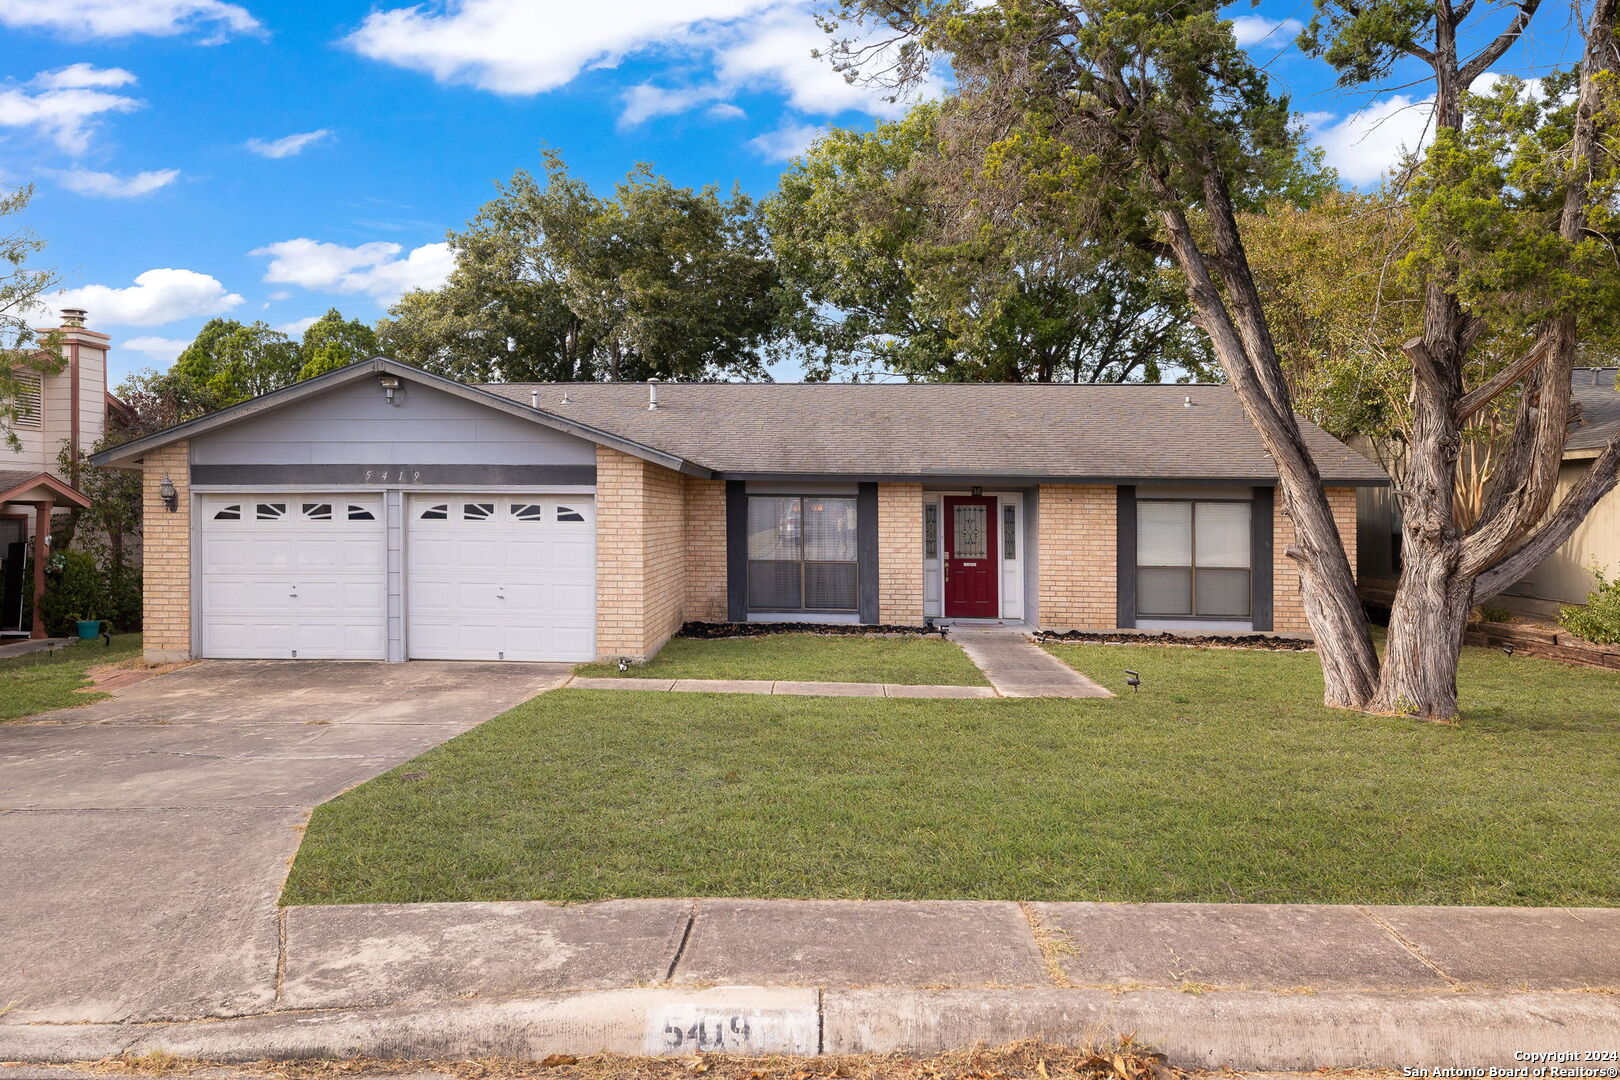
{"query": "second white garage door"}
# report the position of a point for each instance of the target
(501, 577)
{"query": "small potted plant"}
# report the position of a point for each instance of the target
(89, 629)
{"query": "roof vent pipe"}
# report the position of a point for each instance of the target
(652, 393)
(1187, 401)
(534, 399)
(565, 399)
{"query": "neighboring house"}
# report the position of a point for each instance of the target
(381, 512)
(71, 407)
(1565, 576)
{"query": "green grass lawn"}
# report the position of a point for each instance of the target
(35, 684)
(914, 661)
(1220, 781)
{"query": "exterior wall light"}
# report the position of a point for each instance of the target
(390, 385)
(166, 492)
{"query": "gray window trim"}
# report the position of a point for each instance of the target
(1260, 555)
(866, 552)
(1125, 566)
(736, 551)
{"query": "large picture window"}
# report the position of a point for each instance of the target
(1192, 558)
(801, 553)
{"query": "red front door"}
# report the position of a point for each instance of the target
(971, 566)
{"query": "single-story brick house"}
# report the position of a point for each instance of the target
(381, 512)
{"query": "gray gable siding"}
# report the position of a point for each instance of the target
(354, 424)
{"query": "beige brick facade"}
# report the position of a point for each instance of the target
(1288, 607)
(1077, 538)
(705, 550)
(900, 554)
(640, 554)
(661, 555)
(166, 568)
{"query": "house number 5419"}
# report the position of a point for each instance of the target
(382, 476)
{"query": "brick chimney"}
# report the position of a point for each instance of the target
(85, 351)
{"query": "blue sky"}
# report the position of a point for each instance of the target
(269, 159)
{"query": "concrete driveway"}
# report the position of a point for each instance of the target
(144, 839)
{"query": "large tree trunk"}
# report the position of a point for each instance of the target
(1441, 565)
(1236, 332)
(1426, 622)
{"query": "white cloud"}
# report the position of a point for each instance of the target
(84, 76)
(297, 327)
(523, 47)
(157, 297)
(1257, 30)
(123, 18)
(1366, 145)
(110, 186)
(725, 111)
(65, 111)
(774, 50)
(287, 145)
(642, 103)
(375, 269)
(160, 350)
(785, 142)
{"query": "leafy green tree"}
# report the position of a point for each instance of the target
(901, 266)
(229, 361)
(332, 341)
(1153, 128)
(23, 354)
(553, 282)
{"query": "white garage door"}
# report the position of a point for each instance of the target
(501, 577)
(293, 576)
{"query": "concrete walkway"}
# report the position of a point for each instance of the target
(10, 647)
(1014, 665)
(766, 686)
(1017, 667)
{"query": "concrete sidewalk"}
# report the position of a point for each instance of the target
(1246, 986)
(797, 689)
(1017, 667)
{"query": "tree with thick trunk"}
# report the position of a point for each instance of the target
(1146, 120)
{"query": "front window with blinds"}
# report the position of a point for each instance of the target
(801, 553)
(1192, 559)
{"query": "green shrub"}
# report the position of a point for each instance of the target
(76, 591)
(1599, 620)
(122, 591)
(1491, 613)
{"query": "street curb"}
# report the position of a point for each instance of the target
(750, 1020)
(1236, 1029)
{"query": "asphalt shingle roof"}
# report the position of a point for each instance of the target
(1600, 409)
(1136, 432)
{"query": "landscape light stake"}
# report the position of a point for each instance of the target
(1134, 681)
(1508, 648)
